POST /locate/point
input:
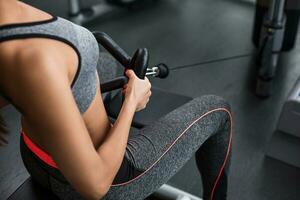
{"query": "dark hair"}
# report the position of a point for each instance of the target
(3, 130)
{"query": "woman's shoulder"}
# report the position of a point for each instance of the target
(14, 55)
(26, 66)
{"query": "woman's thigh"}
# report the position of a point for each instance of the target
(158, 151)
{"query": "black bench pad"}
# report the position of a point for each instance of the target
(30, 190)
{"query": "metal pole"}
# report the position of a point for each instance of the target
(74, 7)
(276, 11)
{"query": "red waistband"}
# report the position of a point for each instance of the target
(44, 156)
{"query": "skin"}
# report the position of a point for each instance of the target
(87, 150)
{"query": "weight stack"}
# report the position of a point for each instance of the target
(292, 11)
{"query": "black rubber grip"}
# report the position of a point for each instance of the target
(113, 84)
(139, 62)
(113, 48)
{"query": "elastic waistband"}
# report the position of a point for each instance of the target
(44, 156)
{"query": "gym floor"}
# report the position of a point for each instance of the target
(208, 45)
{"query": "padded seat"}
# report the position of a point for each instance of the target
(30, 190)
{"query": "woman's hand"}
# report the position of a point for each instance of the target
(137, 91)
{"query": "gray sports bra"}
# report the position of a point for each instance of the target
(79, 38)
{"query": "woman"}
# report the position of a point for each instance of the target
(48, 72)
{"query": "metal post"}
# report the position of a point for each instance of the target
(74, 7)
(276, 11)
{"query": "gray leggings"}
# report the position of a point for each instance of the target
(153, 155)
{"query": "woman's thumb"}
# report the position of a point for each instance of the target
(130, 73)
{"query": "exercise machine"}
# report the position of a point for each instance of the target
(270, 44)
(165, 100)
(80, 15)
(292, 12)
(275, 30)
(277, 34)
(138, 63)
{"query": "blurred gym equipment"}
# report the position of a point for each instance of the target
(289, 121)
(80, 15)
(285, 142)
(269, 35)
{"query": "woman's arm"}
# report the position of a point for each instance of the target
(137, 94)
(116, 141)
